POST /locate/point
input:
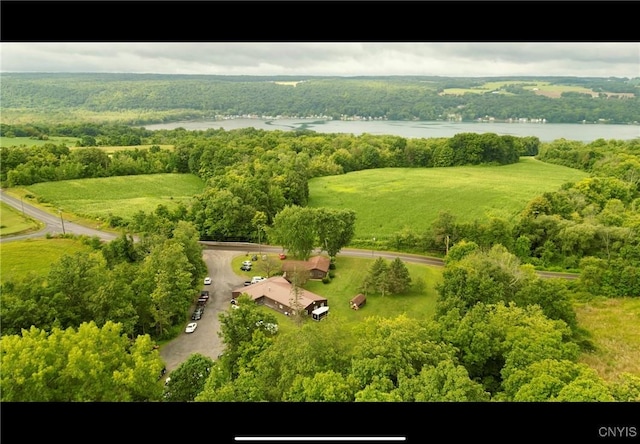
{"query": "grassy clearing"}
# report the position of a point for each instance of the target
(611, 324)
(20, 258)
(13, 222)
(122, 195)
(391, 199)
(541, 88)
(29, 141)
(418, 303)
(112, 149)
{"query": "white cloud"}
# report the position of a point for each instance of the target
(343, 59)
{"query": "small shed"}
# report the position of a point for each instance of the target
(358, 301)
(320, 313)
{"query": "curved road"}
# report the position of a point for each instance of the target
(53, 224)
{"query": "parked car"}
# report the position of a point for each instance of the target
(245, 267)
(257, 279)
(191, 327)
(247, 283)
(207, 281)
(254, 257)
(247, 263)
(196, 315)
(204, 294)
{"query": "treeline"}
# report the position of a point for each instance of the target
(51, 162)
(251, 170)
(393, 98)
(500, 334)
(147, 287)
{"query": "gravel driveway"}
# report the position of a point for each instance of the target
(205, 339)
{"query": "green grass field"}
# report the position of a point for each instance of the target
(617, 343)
(18, 258)
(122, 196)
(13, 222)
(418, 303)
(28, 141)
(388, 200)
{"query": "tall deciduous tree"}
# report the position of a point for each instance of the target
(188, 380)
(334, 228)
(294, 229)
(87, 364)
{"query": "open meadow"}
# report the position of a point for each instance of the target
(19, 258)
(32, 141)
(13, 222)
(610, 322)
(391, 199)
(539, 87)
(119, 196)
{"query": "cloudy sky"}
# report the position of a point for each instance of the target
(583, 59)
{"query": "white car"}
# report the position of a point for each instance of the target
(191, 327)
(257, 279)
(207, 281)
(247, 263)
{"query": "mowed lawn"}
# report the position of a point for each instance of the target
(391, 199)
(120, 196)
(419, 302)
(614, 325)
(13, 222)
(19, 258)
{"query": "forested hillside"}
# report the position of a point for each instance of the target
(157, 98)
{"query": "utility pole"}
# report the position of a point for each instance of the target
(373, 247)
(62, 220)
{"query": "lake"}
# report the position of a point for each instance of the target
(546, 132)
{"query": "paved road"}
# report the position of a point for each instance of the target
(53, 223)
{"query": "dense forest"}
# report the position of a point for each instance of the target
(156, 98)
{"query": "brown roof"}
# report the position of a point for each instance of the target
(315, 263)
(358, 299)
(278, 289)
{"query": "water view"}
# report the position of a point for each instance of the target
(546, 132)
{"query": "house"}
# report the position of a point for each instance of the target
(276, 293)
(318, 266)
(358, 301)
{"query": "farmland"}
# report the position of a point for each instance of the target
(19, 258)
(122, 195)
(389, 200)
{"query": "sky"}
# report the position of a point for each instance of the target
(449, 59)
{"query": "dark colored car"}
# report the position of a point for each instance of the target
(246, 268)
(197, 314)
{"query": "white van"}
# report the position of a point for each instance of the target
(256, 279)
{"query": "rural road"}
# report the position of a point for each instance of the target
(217, 256)
(53, 224)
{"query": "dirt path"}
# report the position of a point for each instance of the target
(205, 339)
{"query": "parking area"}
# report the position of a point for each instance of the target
(205, 339)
